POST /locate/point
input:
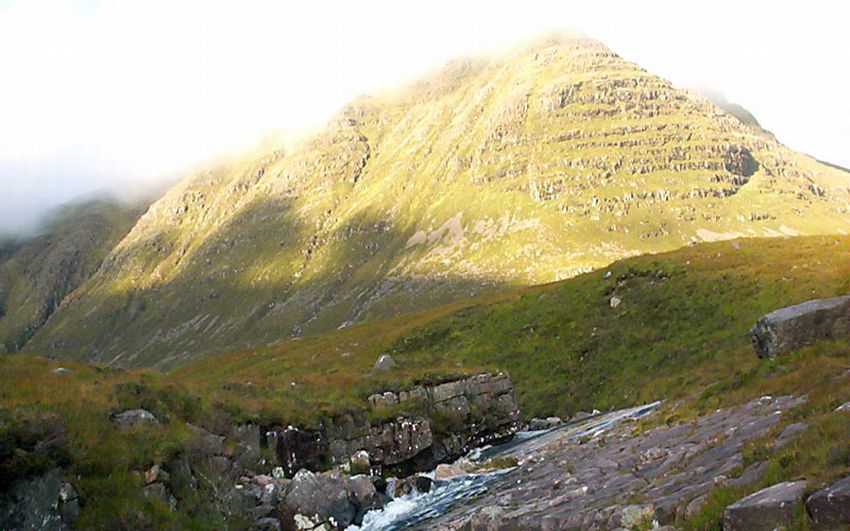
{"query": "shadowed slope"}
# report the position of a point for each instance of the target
(37, 274)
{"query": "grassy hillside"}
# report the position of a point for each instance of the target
(681, 325)
(36, 274)
(549, 161)
(678, 334)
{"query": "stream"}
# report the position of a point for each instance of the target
(415, 509)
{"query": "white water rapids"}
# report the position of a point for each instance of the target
(417, 508)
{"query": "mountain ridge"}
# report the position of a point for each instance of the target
(555, 159)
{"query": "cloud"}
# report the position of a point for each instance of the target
(105, 94)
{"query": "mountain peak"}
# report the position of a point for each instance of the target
(551, 160)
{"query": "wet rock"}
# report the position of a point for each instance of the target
(335, 500)
(537, 424)
(402, 487)
(446, 471)
(568, 479)
(422, 484)
(766, 509)
(796, 326)
(384, 362)
(131, 417)
(830, 507)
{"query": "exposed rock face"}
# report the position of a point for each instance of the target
(765, 510)
(42, 502)
(830, 507)
(334, 501)
(796, 326)
(565, 482)
(451, 418)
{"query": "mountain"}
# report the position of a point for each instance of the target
(37, 273)
(552, 160)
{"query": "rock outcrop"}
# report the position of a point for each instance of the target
(830, 507)
(41, 502)
(567, 479)
(765, 510)
(131, 417)
(444, 422)
(327, 501)
(796, 326)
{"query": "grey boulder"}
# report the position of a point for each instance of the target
(384, 362)
(796, 326)
(132, 417)
(333, 500)
(766, 509)
(830, 507)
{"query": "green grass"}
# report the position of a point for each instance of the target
(679, 334)
(681, 328)
(106, 464)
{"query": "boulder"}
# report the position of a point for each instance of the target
(402, 487)
(384, 362)
(537, 424)
(446, 471)
(131, 417)
(330, 499)
(830, 507)
(796, 326)
(766, 509)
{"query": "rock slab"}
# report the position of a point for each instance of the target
(830, 507)
(765, 510)
(796, 326)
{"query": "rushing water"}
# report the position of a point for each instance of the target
(444, 494)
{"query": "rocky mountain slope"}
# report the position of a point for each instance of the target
(552, 160)
(37, 274)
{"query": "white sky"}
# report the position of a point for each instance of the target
(97, 94)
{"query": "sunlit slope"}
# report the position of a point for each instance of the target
(552, 160)
(679, 331)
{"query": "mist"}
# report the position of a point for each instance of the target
(119, 98)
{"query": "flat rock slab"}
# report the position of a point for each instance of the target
(565, 482)
(765, 510)
(796, 326)
(830, 507)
